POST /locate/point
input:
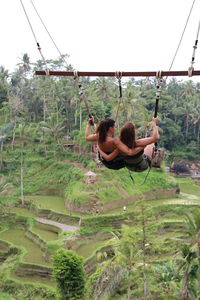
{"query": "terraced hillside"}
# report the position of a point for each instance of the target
(27, 243)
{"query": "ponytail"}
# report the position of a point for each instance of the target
(103, 128)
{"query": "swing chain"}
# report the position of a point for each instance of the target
(118, 75)
(158, 85)
(82, 95)
(159, 82)
(77, 78)
(191, 68)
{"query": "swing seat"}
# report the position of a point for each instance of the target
(157, 158)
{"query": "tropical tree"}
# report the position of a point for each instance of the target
(69, 275)
(116, 266)
(3, 85)
(4, 131)
(188, 270)
(193, 232)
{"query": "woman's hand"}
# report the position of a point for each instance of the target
(88, 136)
(110, 156)
(155, 120)
(91, 121)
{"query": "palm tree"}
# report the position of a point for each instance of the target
(3, 85)
(195, 116)
(3, 136)
(122, 263)
(25, 64)
(193, 231)
(186, 264)
(52, 129)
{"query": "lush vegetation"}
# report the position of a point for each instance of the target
(149, 252)
(43, 108)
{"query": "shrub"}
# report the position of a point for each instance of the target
(69, 275)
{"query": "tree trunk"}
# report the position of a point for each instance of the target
(57, 113)
(144, 255)
(14, 132)
(44, 108)
(22, 177)
(187, 126)
(184, 291)
(198, 133)
(129, 288)
(198, 293)
(1, 159)
(80, 118)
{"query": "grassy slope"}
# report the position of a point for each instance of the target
(49, 177)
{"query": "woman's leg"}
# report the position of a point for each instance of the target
(148, 150)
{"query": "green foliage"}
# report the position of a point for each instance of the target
(91, 282)
(68, 273)
(105, 194)
(15, 290)
(74, 192)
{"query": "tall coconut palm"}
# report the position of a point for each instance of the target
(186, 264)
(3, 85)
(122, 263)
(193, 232)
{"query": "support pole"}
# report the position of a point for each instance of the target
(113, 74)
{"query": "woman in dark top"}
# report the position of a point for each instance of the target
(140, 161)
(104, 136)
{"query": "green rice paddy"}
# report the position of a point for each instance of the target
(46, 235)
(48, 202)
(17, 237)
(22, 211)
(34, 279)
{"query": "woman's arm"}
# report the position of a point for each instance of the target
(110, 156)
(150, 140)
(125, 149)
(88, 136)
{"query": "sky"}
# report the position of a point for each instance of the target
(102, 35)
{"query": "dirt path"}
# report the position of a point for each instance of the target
(60, 225)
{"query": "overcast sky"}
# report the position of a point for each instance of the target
(102, 35)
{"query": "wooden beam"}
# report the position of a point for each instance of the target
(123, 74)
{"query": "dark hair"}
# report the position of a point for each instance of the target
(103, 128)
(127, 135)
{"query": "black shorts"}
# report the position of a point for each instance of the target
(115, 164)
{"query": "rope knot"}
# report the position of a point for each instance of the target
(190, 71)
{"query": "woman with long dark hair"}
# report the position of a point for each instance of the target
(142, 160)
(104, 136)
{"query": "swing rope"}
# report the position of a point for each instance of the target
(82, 95)
(155, 150)
(158, 94)
(191, 68)
(118, 75)
(37, 43)
(145, 178)
(62, 57)
(182, 35)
